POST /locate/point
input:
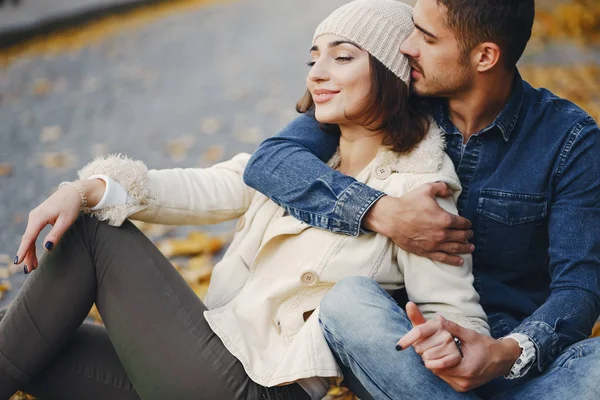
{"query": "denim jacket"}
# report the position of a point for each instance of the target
(531, 188)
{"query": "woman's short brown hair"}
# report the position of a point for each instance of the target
(389, 107)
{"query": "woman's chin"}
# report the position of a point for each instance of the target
(326, 118)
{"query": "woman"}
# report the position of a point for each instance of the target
(258, 335)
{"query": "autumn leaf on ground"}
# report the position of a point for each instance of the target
(210, 125)
(51, 134)
(58, 160)
(212, 155)
(178, 148)
(5, 169)
(41, 87)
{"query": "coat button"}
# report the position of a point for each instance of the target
(309, 278)
(277, 324)
(383, 171)
(240, 223)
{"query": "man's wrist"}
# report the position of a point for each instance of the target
(507, 351)
(375, 218)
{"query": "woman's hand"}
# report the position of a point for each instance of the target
(431, 340)
(59, 210)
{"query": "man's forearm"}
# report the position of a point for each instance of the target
(289, 169)
(566, 317)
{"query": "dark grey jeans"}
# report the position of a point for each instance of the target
(155, 344)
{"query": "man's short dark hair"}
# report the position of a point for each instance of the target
(507, 23)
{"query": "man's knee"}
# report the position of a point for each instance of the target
(354, 303)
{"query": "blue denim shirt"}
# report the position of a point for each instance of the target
(531, 188)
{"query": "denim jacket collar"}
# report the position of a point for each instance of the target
(505, 121)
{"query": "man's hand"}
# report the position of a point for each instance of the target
(418, 225)
(484, 358)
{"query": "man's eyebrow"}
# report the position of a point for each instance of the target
(424, 31)
(335, 43)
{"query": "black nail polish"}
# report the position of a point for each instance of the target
(398, 347)
(49, 245)
(25, 269)
(16, 260)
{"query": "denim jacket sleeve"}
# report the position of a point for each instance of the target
(570, 311)
(290, 169)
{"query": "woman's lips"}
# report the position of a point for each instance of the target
(322, 96)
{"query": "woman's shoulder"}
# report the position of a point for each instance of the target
(427, 162)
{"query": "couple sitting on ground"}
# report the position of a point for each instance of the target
(302, 295)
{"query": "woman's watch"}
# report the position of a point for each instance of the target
(527, 358)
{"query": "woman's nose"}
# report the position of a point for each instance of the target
(318, 72)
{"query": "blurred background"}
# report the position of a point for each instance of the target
(186, 83)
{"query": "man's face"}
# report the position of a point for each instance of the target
(439, 66)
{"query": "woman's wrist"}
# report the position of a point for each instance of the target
(93, 189)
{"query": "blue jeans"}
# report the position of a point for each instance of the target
(362, 324)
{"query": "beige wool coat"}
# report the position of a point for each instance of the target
(264, 294)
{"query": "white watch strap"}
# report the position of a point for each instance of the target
(527, 358)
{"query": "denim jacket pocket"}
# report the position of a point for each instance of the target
(511, 227)
(512, 208)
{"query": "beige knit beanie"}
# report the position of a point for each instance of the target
(378, 26)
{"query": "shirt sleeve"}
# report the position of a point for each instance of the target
(290, 169)
(570, 311)
(114, 194)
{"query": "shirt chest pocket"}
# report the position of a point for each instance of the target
(512, 227)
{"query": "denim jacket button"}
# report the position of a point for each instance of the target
(240, 224)
(309, 278)
(383, 171)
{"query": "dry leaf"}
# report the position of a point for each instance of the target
(195, 243)
(51, 134)
(212, 155)
(178, 148)
(596, 330)
(211, 125)
(58, 160)
(5, 273)
(5, 169)
(41, 87)
(250, 135)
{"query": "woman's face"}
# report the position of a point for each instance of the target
(339, 79)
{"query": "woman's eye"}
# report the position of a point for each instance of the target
(340, 58)
(310, 63)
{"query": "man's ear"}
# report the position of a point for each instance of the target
(486, 56)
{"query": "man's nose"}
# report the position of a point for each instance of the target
(408, 47)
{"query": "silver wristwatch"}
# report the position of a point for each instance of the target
(525, 360)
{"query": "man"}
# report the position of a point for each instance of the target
(529, 164)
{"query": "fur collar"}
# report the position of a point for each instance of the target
(426, 157)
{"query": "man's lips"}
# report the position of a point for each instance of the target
(323, 95)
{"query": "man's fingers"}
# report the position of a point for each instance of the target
(439, 189)
(417, 333)
(458, 222)
(414, 314)
(445, 258)
(456, 248)
(464, 334)
(458, 235)
(448, 361)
